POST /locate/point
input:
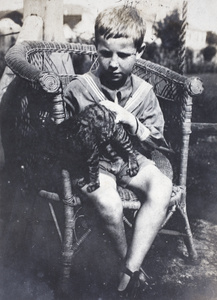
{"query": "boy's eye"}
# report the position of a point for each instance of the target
(105, 53)
(124, 55)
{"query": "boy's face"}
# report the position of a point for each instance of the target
(116, 58)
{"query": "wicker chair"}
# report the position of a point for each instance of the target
(43, 69)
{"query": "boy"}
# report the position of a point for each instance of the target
(119, 34)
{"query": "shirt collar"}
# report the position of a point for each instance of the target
(122, 94)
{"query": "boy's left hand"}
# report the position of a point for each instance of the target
(122, 115)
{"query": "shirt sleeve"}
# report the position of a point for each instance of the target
(77, 96)
(150, 118)
(70, 99)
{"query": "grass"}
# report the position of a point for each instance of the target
(205, 106)
(202, 172)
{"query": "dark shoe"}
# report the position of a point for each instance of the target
(137, 284)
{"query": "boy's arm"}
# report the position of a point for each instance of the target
(77, 95)
(150, 123)
(70, 99)
(145, 121)
(149, 116)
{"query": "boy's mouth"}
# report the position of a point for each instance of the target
(115, 75)
(112, 79)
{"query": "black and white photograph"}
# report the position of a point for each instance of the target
(108, 150)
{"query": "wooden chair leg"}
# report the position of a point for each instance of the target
(67, 247)
(188, 238)
(71, 242)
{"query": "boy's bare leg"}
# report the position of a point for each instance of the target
(109, 206)
(149, 218)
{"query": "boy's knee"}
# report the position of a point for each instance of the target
(167, 185)
(165, 181)
(109, 206)
(160, 188)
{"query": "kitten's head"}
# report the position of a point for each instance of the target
(101, 120)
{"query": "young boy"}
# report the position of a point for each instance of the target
(119, 35)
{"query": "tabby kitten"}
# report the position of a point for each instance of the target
(91, 133)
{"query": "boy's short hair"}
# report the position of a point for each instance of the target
(117, 22)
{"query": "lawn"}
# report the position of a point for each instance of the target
(205, 106)
(202, 173)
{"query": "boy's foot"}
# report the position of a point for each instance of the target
(138, 284)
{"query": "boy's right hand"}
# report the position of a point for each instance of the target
(122, 115)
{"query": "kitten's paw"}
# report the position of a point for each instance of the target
(81, 182)
(133, 169)
(92, 186)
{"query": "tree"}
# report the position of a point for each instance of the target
(211, 38)
(208, 53)
(168, 31)
(152, 53)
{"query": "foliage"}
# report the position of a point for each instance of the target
(208, 53)
(205, 105)
(165, 58)
(167, 54)
(168, 31)
(211, 38)
(152, 53)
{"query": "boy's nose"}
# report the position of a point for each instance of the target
(114, 61)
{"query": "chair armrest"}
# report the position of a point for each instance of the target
(25, 60)
(17, 60)
(193, 85)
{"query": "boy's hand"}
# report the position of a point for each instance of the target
(122, 115)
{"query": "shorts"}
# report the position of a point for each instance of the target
(119, 169)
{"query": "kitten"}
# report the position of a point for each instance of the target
(86, 134)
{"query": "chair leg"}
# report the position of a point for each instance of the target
(70, 242)
(67, 248)
(193, 256)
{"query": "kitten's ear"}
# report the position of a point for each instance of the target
(141, 51)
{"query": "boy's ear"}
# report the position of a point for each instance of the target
(93, 41)
(141, 51)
